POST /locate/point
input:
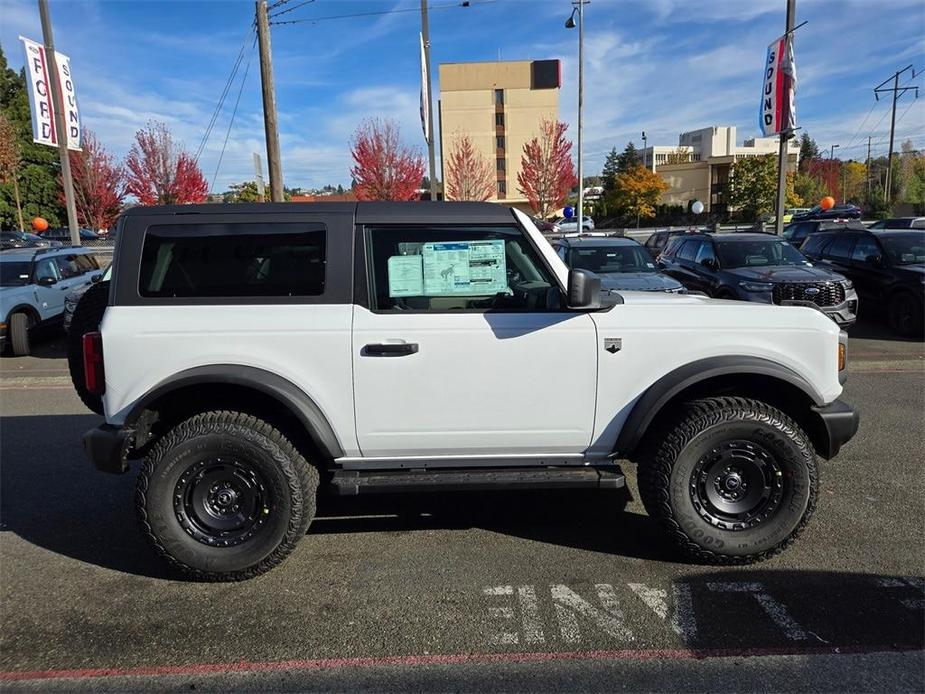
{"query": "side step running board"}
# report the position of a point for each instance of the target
(353, 482)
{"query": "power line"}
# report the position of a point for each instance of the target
(224, 94)
(234, 112)
(287, 11)
(463, 3)
(278, 3)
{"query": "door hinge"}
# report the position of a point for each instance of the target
(613, 344)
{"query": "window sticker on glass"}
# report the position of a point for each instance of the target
(464, 268)
(406, 276)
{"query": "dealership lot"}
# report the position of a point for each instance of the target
(545, 590)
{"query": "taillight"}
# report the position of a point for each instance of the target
(94, 377)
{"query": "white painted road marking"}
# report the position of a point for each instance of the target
(776, 610)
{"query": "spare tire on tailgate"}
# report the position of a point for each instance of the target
(86, 319)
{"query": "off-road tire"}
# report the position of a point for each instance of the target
(671, 455)
(905, 314)
(291, 485)
(86, 319)
(20, 323)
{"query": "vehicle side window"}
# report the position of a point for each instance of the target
(918, 224)
(816, 244)
(233, 260)
(840, 249)
(706, 251)
(68, 266)
(45, 269)
(689, 250)
(442, 268)
(865, 247)
(86, 263)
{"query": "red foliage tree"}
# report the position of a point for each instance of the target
(384, 169)
(160, 173)
(547, 173)
(469, 175)
(827, 172)
(99, 184)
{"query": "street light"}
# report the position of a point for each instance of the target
(832, 152)
(578, 8)
(645, 146)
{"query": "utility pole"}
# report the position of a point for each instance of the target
(60, 125)
(867, 170)
(425, 36)
(581, 98)
(897, 92)
(786, 132)
(645, 146)
(270, 122)
(258, 177)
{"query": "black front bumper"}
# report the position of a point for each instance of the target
(106, 447)
(840, 421)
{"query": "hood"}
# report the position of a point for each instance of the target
(639, 281)
(786, 273)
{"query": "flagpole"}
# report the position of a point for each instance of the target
(786, 131)
(425, 38)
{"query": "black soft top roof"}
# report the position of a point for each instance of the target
(364, 212)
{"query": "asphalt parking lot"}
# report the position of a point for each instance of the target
(549, 591)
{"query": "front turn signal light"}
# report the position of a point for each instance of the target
(842, 356)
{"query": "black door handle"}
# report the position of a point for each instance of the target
(390, 349)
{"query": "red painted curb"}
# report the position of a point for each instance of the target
(455, 659)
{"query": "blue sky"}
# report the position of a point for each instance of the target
(663, 66)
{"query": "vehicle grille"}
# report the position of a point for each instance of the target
(825, 294)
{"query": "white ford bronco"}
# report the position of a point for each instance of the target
(250, 354)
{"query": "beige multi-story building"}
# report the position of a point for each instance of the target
(709, 154)
(500, 105)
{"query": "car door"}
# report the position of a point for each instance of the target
(704, 277)
(684, 263)
(49, 298)
(868, 268)
(837, 254)
(458, 348)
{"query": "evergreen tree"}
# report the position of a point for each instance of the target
(39, 166)
(610, 170)
(808, 150)
(629, 158)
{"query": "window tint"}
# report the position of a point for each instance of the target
(86, 263)
(918, 224)
(443, 268)
(45, 269)
(865, 247)
(233, 260)
(688, 251)
(14, 274)
(71, 265)
(706, 251)
(841, 247)
(816, 244)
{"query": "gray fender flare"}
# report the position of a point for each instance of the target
(296, 400)
(668, 386)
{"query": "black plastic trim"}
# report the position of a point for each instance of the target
(672, 383)
(285, 392)
(841, 422)
(105, 447)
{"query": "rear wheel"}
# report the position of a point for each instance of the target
(732, 480)
(905, 313)
(20, 324)
(224, 496)
(86, 319)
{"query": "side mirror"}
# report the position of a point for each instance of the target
(584, 289)
(46, 281)
(96, 278)
(874, 260)
(708, 263)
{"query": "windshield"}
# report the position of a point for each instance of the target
(756, 253)
(611, 259)
(907, 248)
(14, 274)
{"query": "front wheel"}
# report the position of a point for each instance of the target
(732, 480)
(224, 496)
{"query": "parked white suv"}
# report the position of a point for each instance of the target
(253, 352)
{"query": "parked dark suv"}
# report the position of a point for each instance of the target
(656, 243)
(887, 268)
(797, 232)
(758, 267)
(621, 263)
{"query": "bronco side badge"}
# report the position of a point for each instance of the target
(613, 344)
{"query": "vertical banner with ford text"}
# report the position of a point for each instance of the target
(778, 108)
(40, 102)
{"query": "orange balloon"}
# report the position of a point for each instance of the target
(40, 224)
(827, 203)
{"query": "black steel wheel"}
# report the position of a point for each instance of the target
(732, 480)
(224, 496)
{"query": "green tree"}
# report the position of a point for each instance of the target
(753, 185)
(628, 159)
(809, 189)
(241, 192)
(808, 150)
(610, 170)
(39, 167)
